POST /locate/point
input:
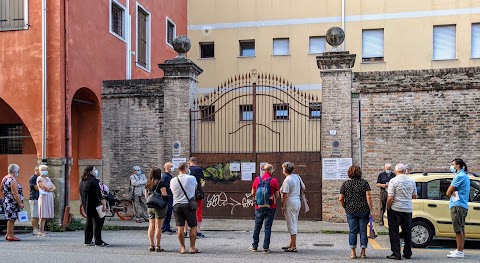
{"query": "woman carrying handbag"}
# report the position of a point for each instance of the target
(156, 208)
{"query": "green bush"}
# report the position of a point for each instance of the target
(75, 225)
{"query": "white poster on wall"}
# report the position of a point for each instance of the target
(335, 168)
(248, 168)
(177, 161)
(234, 167)
(246, 177)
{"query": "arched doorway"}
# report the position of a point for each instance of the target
(85, 139)
(16, 145)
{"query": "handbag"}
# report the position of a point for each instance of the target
(199, 195)
(156, 199)
(371, 231)
(192, 203)
(22, 216)
(302, 195)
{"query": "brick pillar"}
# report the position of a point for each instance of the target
(56, 172)
(179, 92)
(336, 136)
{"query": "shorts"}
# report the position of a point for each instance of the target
(33, 208)
(458, 215)
(183, 213)
(199, 210)
(156, 213)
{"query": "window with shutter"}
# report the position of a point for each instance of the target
(171, 34)
(444, 42)
(117, 18)
(372, 45)
(281, 46)
(13, 15)
(317, 45)
(476, 40)
(143, 38)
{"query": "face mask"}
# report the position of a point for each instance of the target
(44, 173)
(452, 169)
(139, 172)
(188, 171)
(96, 173)
(388, 171)
(171, 169)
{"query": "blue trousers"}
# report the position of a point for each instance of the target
(261, 215)
(168, 216)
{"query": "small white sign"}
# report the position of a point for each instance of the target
(246, 177)
(248, 168)
(177, 161)
(234, 167)
(333, 132)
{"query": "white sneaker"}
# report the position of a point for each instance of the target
(35, 232)
(457, 254)
(453, 251)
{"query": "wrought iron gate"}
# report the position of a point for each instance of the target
(255, 118)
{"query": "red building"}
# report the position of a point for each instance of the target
(51, 74)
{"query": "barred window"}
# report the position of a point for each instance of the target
(281, 111)
(246, 112)
(117, 18)
(208, 113)
(10, 139)
(13, 15)
(315, 110)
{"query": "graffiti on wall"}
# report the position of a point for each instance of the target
(221, 199)
(221, 173)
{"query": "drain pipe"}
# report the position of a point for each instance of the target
(44, 80)
(343, 22)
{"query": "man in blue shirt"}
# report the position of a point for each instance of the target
(459, 192)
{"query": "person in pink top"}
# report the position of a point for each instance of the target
(265, 213)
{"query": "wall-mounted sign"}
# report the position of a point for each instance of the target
(335, 168)
(333, 132)
(176, 149)
(177, 161)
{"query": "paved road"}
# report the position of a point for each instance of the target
(219, 246)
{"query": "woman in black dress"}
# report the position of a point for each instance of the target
(91, 197)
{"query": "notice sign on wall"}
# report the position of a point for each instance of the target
(335, 168)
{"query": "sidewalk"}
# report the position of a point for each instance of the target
(211, 224)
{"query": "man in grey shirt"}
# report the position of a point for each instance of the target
(401, 191)
(138, 181)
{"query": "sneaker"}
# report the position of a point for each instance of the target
(89, 244)
(252, 249)
(453, 251)
(266, 251)
(35, 232)
(103, 245)
(200, 235)
(457, 254)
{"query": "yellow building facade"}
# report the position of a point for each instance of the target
(285, 36)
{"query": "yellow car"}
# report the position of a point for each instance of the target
(431, 214)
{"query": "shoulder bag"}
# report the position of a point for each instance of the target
(302, 196)
(156, 199)
(191, 201)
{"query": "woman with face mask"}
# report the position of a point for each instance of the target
(13, 201)
(45, 198)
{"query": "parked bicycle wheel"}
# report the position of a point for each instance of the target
(82, 212)
(127, 212)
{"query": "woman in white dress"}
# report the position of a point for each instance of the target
(45, 199)
(291, 187)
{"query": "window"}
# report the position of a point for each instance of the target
(10, 140)
(13, 15)
(317, 45)
(247, 48)
(437, 189)
(372, 45)
(280, 111)
(444, 42)
(143, 38)
(281, 46)
(207, 50)
(315, 110)
(474, 191)
(208, 113)
(171, 32)
(246, 112)
(476, 40)
(117, 19)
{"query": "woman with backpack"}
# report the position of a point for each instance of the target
(291, 189)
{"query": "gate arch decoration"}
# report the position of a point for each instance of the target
(255, 117)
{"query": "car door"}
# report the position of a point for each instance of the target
(472, 224)
(436, 205)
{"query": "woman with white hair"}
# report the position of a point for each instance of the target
(291, 187)
(45, 199)
(13, 201)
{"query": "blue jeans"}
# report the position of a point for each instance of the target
(168, 216)
(357, 222)
(262, 214)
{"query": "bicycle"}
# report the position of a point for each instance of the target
(122, 208)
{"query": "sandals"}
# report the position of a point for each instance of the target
(352, 256)
(194, 251)
(152, 249)
(14, 238)
(158, 249)
(291, 249)
(363, 256)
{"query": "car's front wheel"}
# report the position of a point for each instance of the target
(422, 234)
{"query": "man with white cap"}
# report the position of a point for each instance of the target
(138, 181)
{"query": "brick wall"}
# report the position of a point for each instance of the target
(423, 117)
(132, 129)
